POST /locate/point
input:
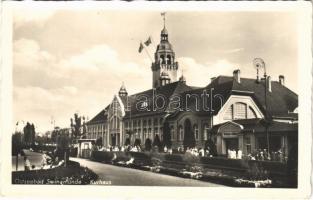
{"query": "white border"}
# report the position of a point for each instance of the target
(304, 28)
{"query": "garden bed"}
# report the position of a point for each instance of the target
(218, 170)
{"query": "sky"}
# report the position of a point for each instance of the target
(67, 61)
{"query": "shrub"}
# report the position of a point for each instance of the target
(256, 172)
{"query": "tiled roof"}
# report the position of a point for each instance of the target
(166, 91)
(280, 102)
(101, 117)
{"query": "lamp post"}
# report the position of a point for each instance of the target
(259, 63)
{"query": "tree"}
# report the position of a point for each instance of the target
(29, 133)
(157, 142)
(137, 142)
(16, 143)
(167, 135)
(127, 141)
(63, 145)
(148, 144)
(189, 137)
(130, 133)
(78, 126)
(55, 134)
(99, 141)
(209, 144)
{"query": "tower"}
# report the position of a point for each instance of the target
(122, 92)
(164, 68)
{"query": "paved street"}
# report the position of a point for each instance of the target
(126, 176)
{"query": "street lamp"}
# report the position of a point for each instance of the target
(258, 64)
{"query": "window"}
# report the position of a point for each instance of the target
(172, 133)
(155, 122)
(206, 132)
(180, 133)
(251, 113)
(240, 111)
(196, 131)
(156, 131)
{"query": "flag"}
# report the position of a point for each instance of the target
(148, 42)
(140, 48)
(163, 14)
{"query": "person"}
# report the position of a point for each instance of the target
(239, 156)
(43, 160)
(26, 164)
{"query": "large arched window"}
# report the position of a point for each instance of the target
(239, 110)
(196, 131)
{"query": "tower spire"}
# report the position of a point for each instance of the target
(163, 15)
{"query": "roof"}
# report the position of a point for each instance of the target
(258, 126)
(151, 95)
(280, 102)
(101, 117)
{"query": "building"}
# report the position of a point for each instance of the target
(230, 111)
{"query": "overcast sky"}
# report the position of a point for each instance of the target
(68, 61)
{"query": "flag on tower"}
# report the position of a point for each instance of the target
(140, 48)
(148, 42)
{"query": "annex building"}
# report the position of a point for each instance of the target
(229, 111)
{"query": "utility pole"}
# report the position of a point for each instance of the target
(259, 63)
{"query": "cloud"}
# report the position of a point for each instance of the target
(236, 50)
(198, 74)
(46, 86)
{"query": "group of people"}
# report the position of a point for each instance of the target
(233, 154)
(137, 148)
(263, 155)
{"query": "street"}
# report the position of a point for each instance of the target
(133, 177)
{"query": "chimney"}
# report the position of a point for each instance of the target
(236, 75)
(212, 79)
(269, 84)
(281, 79)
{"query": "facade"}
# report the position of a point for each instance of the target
(230, 111)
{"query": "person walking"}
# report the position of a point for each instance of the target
(26, 164)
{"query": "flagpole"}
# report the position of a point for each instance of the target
(152, 41)
(147, 51)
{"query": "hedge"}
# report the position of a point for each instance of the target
(179, 160)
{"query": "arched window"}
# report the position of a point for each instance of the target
(240, 111)
(251, 113)
(168, 59)
(172, 133)
(229, 114)
(162, 59)
(196, 131)
(180, 133)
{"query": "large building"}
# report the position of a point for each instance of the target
(230, 111)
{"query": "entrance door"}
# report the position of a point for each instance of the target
(189, 137)
(231, 144)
